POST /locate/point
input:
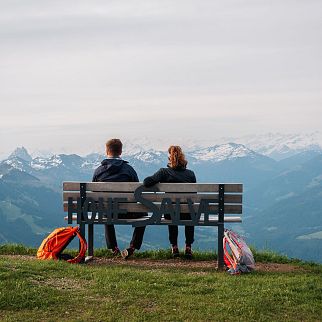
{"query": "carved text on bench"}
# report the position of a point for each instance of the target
(107, 211)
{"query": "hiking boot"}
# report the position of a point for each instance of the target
(126, 253)
(188, 252)
(175, 251)
(116, 251)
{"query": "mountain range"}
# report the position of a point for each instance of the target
(282, 196)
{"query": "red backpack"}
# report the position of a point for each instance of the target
(237, 255)
(53, 245)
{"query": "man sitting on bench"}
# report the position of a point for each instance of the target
(114, 169)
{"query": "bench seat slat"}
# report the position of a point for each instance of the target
(137, 207)
(229, 198)
(212, 218)
(165, 187)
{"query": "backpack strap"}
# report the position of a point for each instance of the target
(83, 248)
(229, 261)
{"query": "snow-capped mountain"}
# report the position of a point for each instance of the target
(22, 153)
(216, 160)
(149, 156)
(21, 160)
(274, 145)
(280, 146)
(16, 163)
(222, 152)
(228, 160)
(46, 163)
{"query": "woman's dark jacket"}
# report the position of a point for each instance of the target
(170, 175)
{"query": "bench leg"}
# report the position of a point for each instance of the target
(220, 247)
(90, 240)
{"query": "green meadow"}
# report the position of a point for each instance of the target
(32, 290)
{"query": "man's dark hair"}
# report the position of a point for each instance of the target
(114, 147)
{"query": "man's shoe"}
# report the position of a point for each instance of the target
(126, 253)
(188, 252)
(175, 251)
(116, 251)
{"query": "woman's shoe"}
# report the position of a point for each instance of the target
(126, 253)
(175, 251)
(188, 252)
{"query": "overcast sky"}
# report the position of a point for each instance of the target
(74, 73)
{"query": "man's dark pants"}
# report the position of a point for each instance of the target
(136, 241)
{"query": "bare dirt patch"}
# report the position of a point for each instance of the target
(63, 283)
(281, 268)
(24, 257)
(177, 263)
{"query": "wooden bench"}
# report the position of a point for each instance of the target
(209, 204)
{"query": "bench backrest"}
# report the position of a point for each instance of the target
(212, 198)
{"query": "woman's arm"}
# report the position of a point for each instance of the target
(154, 179)
(94, 179)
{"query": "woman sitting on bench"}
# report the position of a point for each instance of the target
(176, 172)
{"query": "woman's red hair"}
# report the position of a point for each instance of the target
(176, 157)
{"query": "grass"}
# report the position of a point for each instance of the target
(18, 249)
(33, 290)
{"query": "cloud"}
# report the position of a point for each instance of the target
(232, 67)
